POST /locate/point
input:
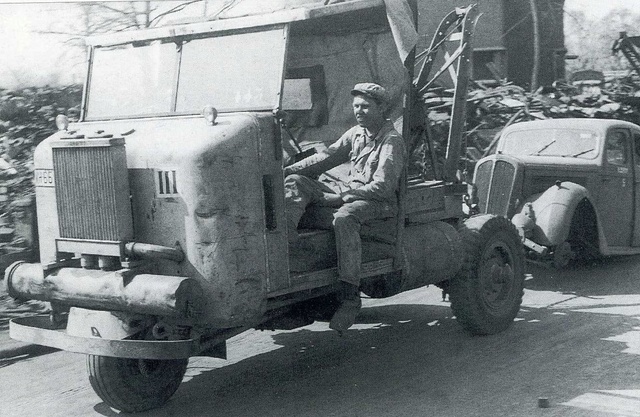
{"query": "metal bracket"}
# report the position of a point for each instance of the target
(539, 249)
(63, 263)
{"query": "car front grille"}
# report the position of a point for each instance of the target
(495, 180)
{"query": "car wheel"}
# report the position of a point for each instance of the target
(134, 385)
(487, 292)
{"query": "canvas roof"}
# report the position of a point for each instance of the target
(241, 18)
(242, 14)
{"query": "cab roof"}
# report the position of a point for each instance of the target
(304, 12)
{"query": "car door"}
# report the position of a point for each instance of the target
(616, 194)
(636, 187)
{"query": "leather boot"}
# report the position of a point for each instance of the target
(350, 304)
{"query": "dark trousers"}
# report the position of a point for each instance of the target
(346, 220)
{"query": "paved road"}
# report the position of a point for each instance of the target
(576, 341)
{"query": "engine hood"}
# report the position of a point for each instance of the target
(214, 191)
(155, 142)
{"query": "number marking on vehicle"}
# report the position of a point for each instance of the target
(166, 186)
(44, 178)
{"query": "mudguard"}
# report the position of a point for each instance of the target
(554, 210)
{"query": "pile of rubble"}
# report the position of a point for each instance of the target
(27, 117)
(491, 108)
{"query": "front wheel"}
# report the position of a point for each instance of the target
(487, 292)
(134, 385)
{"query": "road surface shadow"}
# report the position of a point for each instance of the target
(26, 352)
(411, 360)
(105, 410)
(12, 351)
(607, 276)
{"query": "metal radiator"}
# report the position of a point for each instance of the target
(496, 180)
(92, 189)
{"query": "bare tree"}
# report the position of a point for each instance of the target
(103, 17)
(591, 39)
(94, 18)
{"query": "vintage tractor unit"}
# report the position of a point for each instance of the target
(161, 212)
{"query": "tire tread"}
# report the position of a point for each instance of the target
(466, 306)
(108, 380)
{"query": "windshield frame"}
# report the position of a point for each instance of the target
(507, 141)
(181, 40)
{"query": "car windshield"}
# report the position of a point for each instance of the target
(574, 143)
(231, 72)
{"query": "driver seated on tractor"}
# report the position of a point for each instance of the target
(376, 152)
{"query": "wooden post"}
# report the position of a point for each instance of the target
(535, 72)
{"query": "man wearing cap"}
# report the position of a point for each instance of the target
(377, 155)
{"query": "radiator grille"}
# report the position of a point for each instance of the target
(501, 188)
(482, 181)
(495, 182)
(92, 192)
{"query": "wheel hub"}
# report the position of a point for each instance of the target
(497, 277)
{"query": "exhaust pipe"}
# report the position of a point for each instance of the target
(148, 251)
(161, 295)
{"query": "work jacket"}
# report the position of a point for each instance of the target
(376, 163)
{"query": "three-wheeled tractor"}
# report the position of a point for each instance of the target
(161, 212)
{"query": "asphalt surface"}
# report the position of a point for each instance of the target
(9, 308)
(574, 345)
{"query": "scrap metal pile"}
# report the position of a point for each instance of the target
(492, 108)
(27, 117)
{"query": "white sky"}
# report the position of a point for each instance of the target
(32, 58)
(24, 50)
(28, 57)
(598, 8)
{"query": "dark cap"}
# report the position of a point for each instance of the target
(373, 91)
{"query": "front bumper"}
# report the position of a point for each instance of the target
(39, 330)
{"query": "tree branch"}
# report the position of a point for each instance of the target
(127, 27)
(114, 9)
(74, 41)
(105, 24)
(55, 32)
(228, 5)
(175, 9)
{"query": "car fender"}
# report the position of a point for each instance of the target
(554, 209)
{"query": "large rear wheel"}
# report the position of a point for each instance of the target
(486, 294)
(134, 385)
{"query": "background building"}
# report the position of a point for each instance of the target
(504, 37)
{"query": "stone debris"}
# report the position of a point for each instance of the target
(492, 107)
(27, 117)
